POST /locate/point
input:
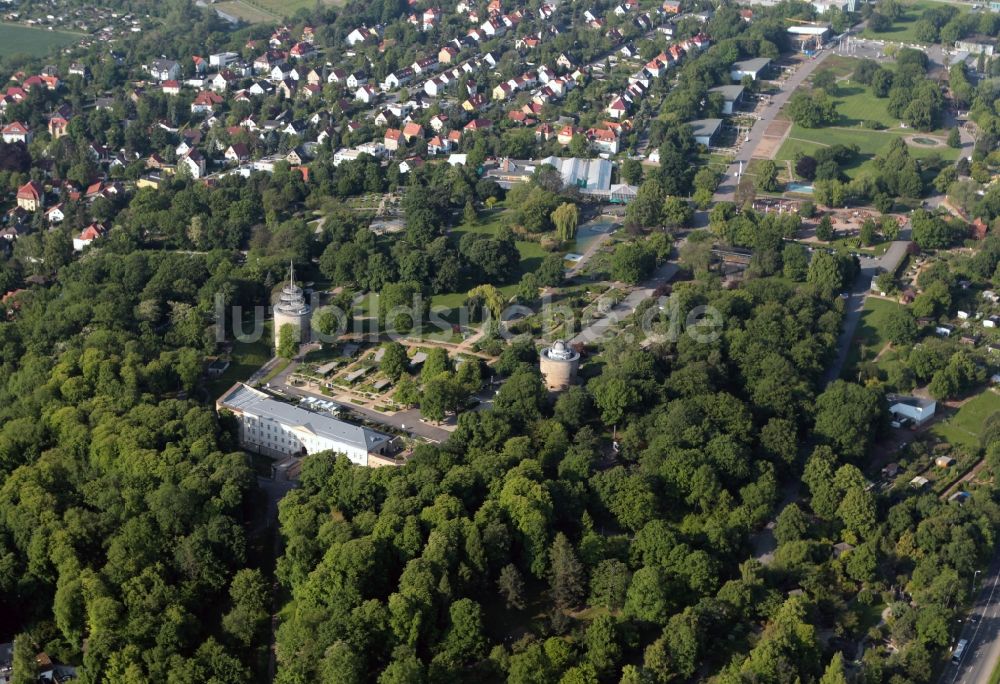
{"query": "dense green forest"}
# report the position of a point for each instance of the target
(615, 533)
(524, 549)
(124, 510)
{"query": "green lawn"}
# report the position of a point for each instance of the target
(995, 675)
(870, 335)
(840, 65)
(267, 11)
(870, 143)
(902, 30)
(531, 253)
(36, 42)
(247, 357)
(856, 103)
(963, 428)
(248, 13)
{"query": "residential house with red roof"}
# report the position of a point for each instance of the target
(618, 108)
(58, 125)
(565, 134)
(438, 145)
(31, 196)
(412, 130)
(478, 125)
(205, 102)
(392, 138)
(92, 232)
(302, 50)
(603, 140)
(16, 131)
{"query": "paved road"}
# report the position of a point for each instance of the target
(274, 490)
(727, 188)
(982, 631)
(855, 304)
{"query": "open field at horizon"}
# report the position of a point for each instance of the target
(902, 30)
(266, 11)
(36, 42)
(870, 143)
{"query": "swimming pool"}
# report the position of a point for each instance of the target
(800, 188)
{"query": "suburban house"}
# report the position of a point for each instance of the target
(355, 80)
(237, 152)
(302, 50)
(205, 102)
(164, 70)
(194, 162)
(361, 35)
(87, 235)
(619, 108)
(366, 94)
(917, 409)
(31, 196)
(55, 214)
(223, 80)
(392, 138)
(16, 132)
(279, 429)
(412, 130)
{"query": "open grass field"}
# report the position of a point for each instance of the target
(870, 335)
(870, 143)
(531, 253)
(37, 42)
(871, 328)
(263, 11)
(247, 358)
(856, 103)
(248, 13)
(963, 428)
(902, 30)
(841, 65)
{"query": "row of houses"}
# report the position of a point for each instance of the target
(638, 84)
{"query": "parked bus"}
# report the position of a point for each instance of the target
(956, 655)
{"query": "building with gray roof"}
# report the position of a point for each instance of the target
(731, 96)
(749, 67)
(705, 130)
(279, 429)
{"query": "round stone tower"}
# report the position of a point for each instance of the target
(292, 309)
(559, 364)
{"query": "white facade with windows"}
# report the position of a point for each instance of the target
(279, 429)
